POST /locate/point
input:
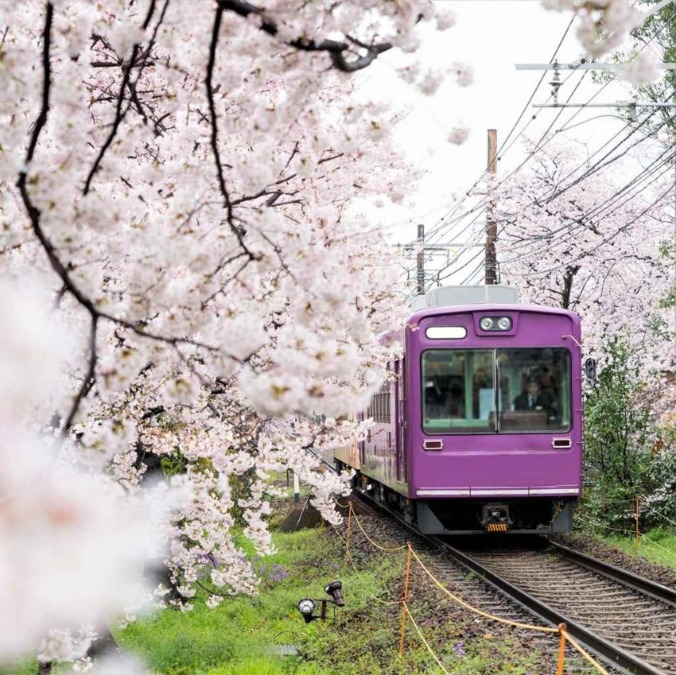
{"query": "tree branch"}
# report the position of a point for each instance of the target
(212, 110)
(120, 112)
(89, 378)
(46, 87)
(237, 231)
(335, 48)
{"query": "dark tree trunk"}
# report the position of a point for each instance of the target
(104, 645)
(568, 278)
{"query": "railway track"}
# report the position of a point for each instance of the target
(627, 621)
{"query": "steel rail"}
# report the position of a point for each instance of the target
(634, 581)
(600, 646)
(607, 651)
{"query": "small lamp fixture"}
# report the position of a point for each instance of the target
(307, 606)
(335, 590)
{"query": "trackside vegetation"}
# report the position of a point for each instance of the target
(657, 546)
(630, 453)
(266, 635)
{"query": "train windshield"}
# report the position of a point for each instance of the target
(484, 391)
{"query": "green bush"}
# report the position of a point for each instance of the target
(620, 462)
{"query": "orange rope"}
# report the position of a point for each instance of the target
(429, 649)
(404, 598)
(373, 543)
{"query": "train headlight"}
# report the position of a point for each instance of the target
(495, 323)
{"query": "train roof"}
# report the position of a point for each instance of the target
(459, 299)
(489, 307)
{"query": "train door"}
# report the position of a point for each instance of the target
(400, 417)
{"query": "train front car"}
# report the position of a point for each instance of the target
(491, 418)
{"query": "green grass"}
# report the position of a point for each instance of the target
(657, 546)
(240, 635)
(243, 635)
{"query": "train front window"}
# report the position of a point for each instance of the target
(458, 391)
(534, 389)
(463, 389)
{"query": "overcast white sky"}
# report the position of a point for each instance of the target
(492, 36)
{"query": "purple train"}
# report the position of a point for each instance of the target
(480, 427)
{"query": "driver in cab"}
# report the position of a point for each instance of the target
(534, 399)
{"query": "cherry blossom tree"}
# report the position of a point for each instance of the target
(178, 183)
(602, 24)
(597, 241)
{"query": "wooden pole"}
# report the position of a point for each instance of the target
(562, 649)
(638, 534)
(349, 529)
(491, 265)
(405, 598)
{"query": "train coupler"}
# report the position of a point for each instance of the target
(495, 517)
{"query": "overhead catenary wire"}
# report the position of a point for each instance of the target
(544, 139)
(654, 172)
(546, 237)
(480, 208)
(606, 240)
(504, 145)
(595, 169)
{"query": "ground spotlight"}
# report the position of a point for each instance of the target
(307, 606)
(334, 589)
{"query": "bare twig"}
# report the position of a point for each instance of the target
(120, 110)
(88, 380)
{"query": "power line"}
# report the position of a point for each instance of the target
(548, 235)
(502, 148)
(447, 223)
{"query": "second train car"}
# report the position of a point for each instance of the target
(479, 427)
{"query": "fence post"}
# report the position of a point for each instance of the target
(562, 648)
(349, 530)
(638, 534)
(405, 598)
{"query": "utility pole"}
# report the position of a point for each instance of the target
(422, 249)
(491, 265)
